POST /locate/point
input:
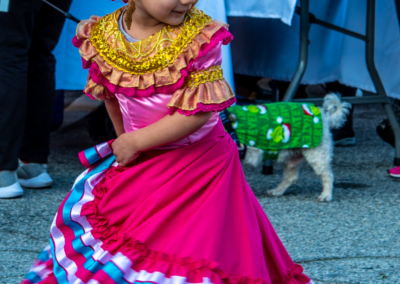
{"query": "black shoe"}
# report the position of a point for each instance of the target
(385, 131)
(242, 101)
(343, 138)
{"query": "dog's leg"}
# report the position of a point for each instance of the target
(327, 183)
(320, 160)
(290, 176)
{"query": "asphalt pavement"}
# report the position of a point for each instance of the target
(353, 239)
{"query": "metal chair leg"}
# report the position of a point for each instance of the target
(380, 89)
(303, 58)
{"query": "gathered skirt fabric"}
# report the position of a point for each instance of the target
(173, 217)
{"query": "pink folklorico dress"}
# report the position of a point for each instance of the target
(182, 213)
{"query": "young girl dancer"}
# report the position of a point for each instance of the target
(171, 205)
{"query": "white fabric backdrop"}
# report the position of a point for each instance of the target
(276, 9)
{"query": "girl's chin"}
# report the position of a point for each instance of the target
(175, 20)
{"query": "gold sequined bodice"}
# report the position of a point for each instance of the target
(148, 55)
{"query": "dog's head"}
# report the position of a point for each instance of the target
(336, 111)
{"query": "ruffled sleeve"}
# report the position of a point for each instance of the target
(82, 41)
(205, 88)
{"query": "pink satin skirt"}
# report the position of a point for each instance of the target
(176, 216)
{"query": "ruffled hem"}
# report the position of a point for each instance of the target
(45, 275)
(76, 42)
(50, 279)
(168, 80)
(115, 240)
(204, 108)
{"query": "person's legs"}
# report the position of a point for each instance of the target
(41, 96)
(15, 38)
(41, 83)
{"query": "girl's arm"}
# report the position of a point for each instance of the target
(115, 114)
(169, 129)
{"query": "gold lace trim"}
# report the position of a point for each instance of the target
(136, 57)
(214, 73)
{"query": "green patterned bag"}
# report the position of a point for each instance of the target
(275, 126)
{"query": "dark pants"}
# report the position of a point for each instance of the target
(29, 32)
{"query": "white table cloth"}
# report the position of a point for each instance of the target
(275, 9)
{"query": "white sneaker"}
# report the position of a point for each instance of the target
(34, 175)
(9, 186)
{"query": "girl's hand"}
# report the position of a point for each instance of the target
(125, 150)
(170, 128)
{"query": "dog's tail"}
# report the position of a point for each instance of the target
(336, 111)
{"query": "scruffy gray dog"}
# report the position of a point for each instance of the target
(334, 115)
